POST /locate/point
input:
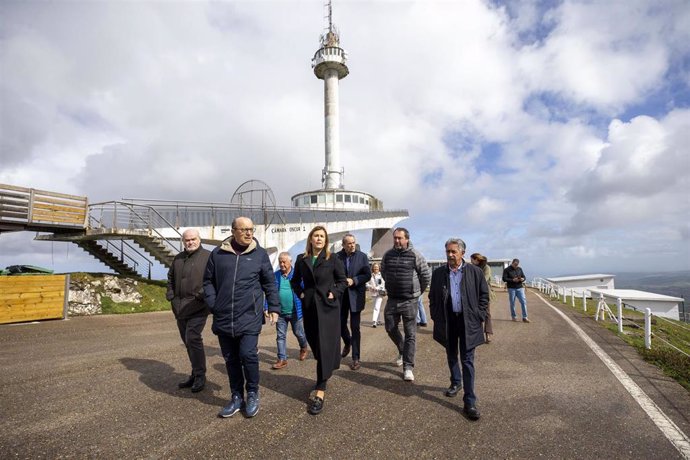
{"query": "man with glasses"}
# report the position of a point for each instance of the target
(238, 275)
(186, 295)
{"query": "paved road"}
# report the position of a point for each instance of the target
(106, 387)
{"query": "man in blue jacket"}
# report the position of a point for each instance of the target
(358, 272)
(238, 275)
(290, 312)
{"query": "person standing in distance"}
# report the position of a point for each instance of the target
(377, 288)
(238, 275)
(319, 281)
(290, 312)
(407, 275)
(513, 276)
(358, 272)
(458, 301)
(186, 295)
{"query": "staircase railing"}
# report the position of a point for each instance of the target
(129, 252)
(131, 216)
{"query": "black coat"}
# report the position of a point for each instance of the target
(475, 301)
(185, 284)
(360, 272)
(321, 314)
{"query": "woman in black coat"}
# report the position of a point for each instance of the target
(319, 280)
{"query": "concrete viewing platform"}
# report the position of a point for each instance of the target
(106, 387)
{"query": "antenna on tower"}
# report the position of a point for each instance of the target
(331, 36)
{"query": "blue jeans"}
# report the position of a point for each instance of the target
(242, 362)
(520, 293)
(281, 334)
(421, 314)
(456, 342)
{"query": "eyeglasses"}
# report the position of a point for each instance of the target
(248, 231)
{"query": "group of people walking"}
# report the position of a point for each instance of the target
(319, 296)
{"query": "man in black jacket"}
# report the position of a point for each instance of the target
(186, 294)
(406, 275)
(513, 276)
(458, 299)
(358, 272)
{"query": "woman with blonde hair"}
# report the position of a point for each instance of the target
(482, 262)
(319, 280)
(377, 288)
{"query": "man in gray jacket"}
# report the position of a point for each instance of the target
(407, 276)
(186, 294)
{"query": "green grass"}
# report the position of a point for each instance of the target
(672, 362)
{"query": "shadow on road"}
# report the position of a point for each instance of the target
(161, 377)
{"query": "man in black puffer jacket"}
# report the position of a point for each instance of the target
(186, 294)
(407, 276)
(238, 274)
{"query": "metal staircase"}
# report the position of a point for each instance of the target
(157, 247)
(109, 259)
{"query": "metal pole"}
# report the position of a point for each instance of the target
(620, 315)
(572, 297)
(584, 300)
(648, 328)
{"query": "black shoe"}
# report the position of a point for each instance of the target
(187, 383)
(421, 324)
(472, 412)
(316, 406)
(346, 351)
(453, 390)
(199, 383)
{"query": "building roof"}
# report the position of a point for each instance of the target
(579, 277)
(633, 294)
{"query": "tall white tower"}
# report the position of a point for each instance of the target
(329, 64)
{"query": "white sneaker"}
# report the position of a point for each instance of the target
(408, 376)
(399, 361)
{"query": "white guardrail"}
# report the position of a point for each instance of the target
(561, 294)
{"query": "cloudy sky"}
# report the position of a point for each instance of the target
(553, 131)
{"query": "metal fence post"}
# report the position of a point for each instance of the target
(584, 300)
(620, 314)
(648, 328)
(572, 297)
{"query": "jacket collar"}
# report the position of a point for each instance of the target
(226, 246)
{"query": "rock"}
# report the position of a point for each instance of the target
(85, 294)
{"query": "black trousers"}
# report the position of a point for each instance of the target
(353, 339)
(190, 332)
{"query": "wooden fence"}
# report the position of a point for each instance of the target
(21, 206)
(33, 297)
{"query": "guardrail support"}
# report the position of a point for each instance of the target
(584, 300)
(619, 302)
(648, 328)
(572, 297)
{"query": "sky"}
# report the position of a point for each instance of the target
(556, 132)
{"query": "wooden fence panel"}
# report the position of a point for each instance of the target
(33, 297)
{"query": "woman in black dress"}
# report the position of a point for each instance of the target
(319, 280)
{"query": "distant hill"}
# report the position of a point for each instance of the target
(676, 284)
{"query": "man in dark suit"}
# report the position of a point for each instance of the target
(458, 301)
(358, 272)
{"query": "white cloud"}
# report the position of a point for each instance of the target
(486, 122)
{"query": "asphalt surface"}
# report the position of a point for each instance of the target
(106, 387)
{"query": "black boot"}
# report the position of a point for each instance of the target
(199, 383)
(186, 383)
